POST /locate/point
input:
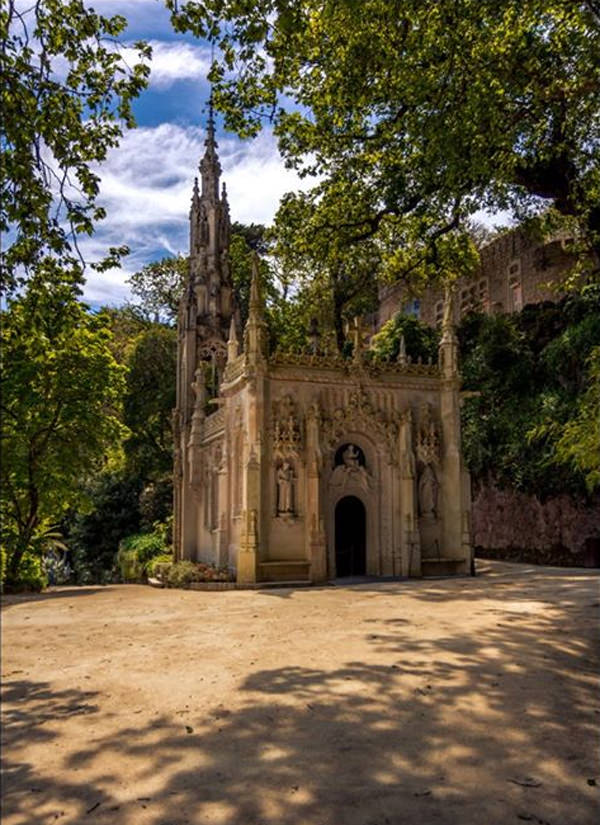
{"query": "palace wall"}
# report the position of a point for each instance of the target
(514, 526)
(514, 270)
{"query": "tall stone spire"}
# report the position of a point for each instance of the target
(210, 168)
(211, 289)
(208, 304)
(255, 333)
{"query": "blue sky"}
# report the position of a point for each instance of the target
(146, 183)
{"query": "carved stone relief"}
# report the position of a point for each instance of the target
(287, 435)
(360, 414)
(350, 469)
(428, 439)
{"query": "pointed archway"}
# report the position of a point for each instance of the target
(350, 537)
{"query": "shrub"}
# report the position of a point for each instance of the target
(183, 573)
(94, 536)
(156, 501)
(56, 568)
(30, 576)
(137, 552)
(128, 566)
(158, 567)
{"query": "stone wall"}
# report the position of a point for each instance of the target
(515, 270)
(517, 527)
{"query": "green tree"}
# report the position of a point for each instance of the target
(65, 100)
(135, 489)
(537, 391)
(158, 288)
(337, 277)
(61, 389)
(148, 402)
(579, 442)
(421, 341)
(415, 115)
(247, 239)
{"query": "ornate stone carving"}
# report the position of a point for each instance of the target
(286, 489)
(351, 470)
(213, 351)
(287, 435)
(428, 439)
(297, 359)
(428, 493)
(214, 424)
(360, 414)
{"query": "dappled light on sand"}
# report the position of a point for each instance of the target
(448, 701)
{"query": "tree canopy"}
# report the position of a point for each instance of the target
(61, 390)
(65, 100)
(416, 115)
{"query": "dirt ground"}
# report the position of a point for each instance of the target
(470, 700)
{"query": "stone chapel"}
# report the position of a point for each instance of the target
(307, 467)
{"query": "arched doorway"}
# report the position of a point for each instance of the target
(350, 537)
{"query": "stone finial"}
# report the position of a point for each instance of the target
(402, 351)
(210, 168)
(255, 333)
(199, 387)
(255, 296)
(232, 343)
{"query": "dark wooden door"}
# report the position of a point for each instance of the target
(350, 537)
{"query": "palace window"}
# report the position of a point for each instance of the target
(412, 308)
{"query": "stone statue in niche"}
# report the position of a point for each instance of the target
(350, 457)
(285, 489)
(350, 468)
(428, 492)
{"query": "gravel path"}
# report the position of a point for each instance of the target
(444, 701)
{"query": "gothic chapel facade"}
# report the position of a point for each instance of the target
(307, 467)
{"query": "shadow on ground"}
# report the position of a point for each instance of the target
(12, 599)
(498, 727)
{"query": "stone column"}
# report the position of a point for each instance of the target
(246, 561)
(452, 477)
(411, 546)
(315, 530)
(452, 480)
(222, 543)
(255, 367)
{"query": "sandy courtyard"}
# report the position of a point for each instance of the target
(442, 701)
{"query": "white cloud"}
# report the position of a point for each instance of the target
(146, 186)
(173, 61)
